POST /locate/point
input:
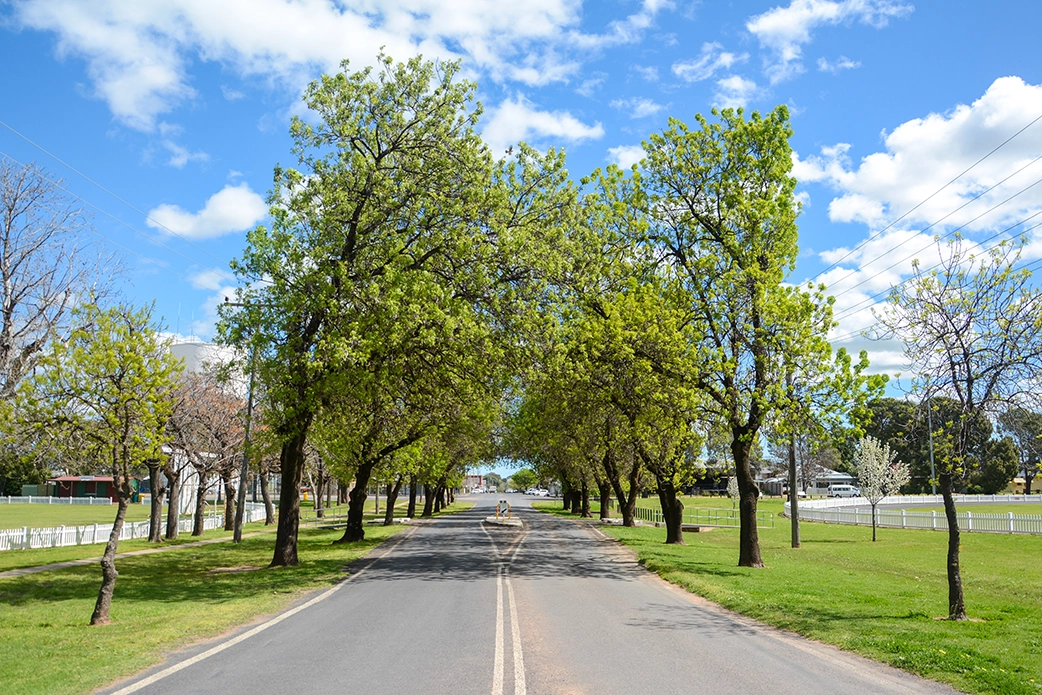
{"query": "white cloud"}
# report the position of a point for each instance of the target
(902, 194)
(784, 30)
(232, 94)
(209, 279)
(180, 155)
(232, 209)
(517, 119)
(139, 55)
(589, 86)
(648, 72)
(625, 155)
(734, 92)
(638, 107)
(842, 63)
(924, 154)
(711, 60)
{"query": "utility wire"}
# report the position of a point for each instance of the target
(928, 198)
(125, 224)
(106, 190)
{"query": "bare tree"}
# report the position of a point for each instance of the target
(206, 425)
(47, 265)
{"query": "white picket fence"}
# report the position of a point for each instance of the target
(56, 537)
(698, 516)
(854, 510)
(9, 499)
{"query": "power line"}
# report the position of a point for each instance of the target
(125, 224)
(122, 200)
(937, 222)
(928, 198)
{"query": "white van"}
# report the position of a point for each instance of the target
(843, 491)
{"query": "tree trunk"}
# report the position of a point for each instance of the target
(341, 493)
(108, 560)
(439, 496)
(355, 529)
(1028, 479)
(672, 511)
(749, 540)
(604, 488)
(229, 501)
(584, 503)
(411, 512)
(173, 501)
(794, 510)
(428, 500)
(155, 516)
(956, 604)
(199, 518)
(269, 508)
(291, 462)
(392, 497)
(873, 522)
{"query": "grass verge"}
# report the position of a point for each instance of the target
(882, 600)
(162, 602)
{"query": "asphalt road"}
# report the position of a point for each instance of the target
(455, 606)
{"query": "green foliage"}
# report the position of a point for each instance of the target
(525, 478)
(998, 465)
(105, 395)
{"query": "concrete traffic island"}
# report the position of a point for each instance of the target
(503, 521)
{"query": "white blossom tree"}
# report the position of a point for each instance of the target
(878, 472)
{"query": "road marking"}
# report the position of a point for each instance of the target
(497, 669)
(134, 687)
(519, 658)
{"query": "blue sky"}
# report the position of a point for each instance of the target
(181, 110)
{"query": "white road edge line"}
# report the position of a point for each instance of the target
(519, 658)
(497, 669)
(134, 687)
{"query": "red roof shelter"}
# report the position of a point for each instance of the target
(85, 486)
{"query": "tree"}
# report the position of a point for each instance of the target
(206, 427)
(1025, 427)
(722, 221)
(879, 473)
(108, 391)
(998, 465)
(46, 265)
(524, 478)
(971, 329)
(397, 256)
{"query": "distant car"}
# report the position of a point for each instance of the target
(843, 491)
(542, 493)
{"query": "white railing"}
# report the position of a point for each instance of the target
(856, 511)
(706, 517)
(33, 499)
(60, 536)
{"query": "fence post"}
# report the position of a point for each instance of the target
(969, 521)
(25, 537)
(934, 514)
(903, 525)
(1011, 522)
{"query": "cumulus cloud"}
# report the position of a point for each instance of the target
(139, 55)
(625, 155)
(648, 72)
(923, 155)
(517, 119)
(734, 92)
(711, 60)
(232, 209)
(638, 107)
(936, 175)
(784, 30)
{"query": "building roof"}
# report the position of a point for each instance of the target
(82, 478)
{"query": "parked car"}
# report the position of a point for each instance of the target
(843, 491)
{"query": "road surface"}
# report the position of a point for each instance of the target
(455, 606)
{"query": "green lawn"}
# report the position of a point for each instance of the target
(46, 515)
(162, 602)
(884, 600)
